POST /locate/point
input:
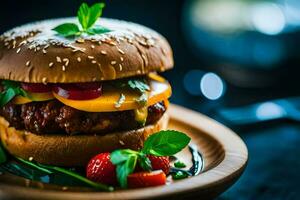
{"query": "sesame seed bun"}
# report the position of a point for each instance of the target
(34, 53)
(63, 150)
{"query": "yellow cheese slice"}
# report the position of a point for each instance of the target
(107, 101)
(33, 97)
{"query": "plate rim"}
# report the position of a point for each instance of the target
(235, 160)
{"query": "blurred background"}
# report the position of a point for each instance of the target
(228, 54)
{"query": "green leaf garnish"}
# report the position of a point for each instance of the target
(179, 164)
(3, 157)
(165, 143)
(126, 159)
(48, 169)
(139, 85)
(11, 89)
(68, 29)
(87, 17)
(179, 175)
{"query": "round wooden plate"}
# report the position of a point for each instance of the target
(225, 156)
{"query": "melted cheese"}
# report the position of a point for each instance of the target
(33, 97)
(160, 91)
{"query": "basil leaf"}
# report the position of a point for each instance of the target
(87, 16)
(165, 143)
(119, 156)
(124, 169)
(145, 162)
(3, 157)
(7, 96)
(67, 29)
(97, 30)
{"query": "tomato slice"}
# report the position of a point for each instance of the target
(146, 179)
(78, 91)
(36, 87)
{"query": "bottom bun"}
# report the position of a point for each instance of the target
(76, 150)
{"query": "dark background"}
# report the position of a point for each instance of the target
(243, 61)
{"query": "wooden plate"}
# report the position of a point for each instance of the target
(225, 157)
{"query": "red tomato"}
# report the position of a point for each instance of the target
(79, 91)
(36, 87)
(146, 179)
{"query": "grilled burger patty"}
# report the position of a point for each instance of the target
(54, 117)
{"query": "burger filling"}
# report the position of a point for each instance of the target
(85, 108)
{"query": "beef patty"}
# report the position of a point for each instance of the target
(54, 117)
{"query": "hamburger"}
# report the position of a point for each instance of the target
(65, 99)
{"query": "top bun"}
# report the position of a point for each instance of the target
(35, 53)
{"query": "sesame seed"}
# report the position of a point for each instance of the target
(120, 67)
(93, 46)
(122, 59)
(38, 48)
(44, 80)
(66, 60)
(138, 72)
(80, 40)
(28, 63)
(99, 42)
(78, 59)
(94, 79)
(44, 51)
(58, 59)
(30, 158)
(14, 44)
(51, 64)
(63, 68)
(64, 188)
(103, 52)
(113, 62)
(91, 57)
(6, 44)
(121, 51)
(121, 142)
(18, 51)
(94, 61)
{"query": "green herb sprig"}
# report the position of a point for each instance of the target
(87, 17)
(11, 89)
(163, 143)
(48, 169)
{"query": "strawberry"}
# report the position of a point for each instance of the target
(160, 162)
(146, 179)
(100, 169)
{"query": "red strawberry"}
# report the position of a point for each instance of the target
(100, 169)
(160, 162)
(146, 179)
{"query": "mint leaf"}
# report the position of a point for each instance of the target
(165, 143)
(82, 14)
(145, 162)
(179, 164)
(119, 156)
(97, 30)
(3, 157)
(126, 168)
(7, 96)
(87, 16)
(67, 29)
